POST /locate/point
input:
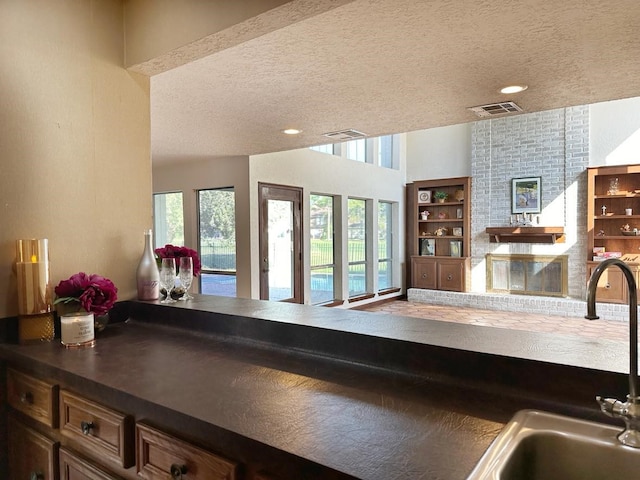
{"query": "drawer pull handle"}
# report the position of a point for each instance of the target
(86, 427)
(177, 471)
(36, 476)
(424, 275)
(450, 277)
(608, 285)
(26, 398)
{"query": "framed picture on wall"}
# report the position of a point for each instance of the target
(525, 195)
(428, 246)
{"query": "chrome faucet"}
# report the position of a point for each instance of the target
(629, 411)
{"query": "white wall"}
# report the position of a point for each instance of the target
(75, 136)
(446, 151)
(321, 173)
(207, 173)
(615, 132)
(441, 152)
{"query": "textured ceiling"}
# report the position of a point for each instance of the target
(392, 66)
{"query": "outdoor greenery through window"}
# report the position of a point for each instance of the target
(217, 241)
(322, 249)
(168, 219)
(357, 247)
(385, 245)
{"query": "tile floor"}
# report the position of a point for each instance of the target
(611, 329)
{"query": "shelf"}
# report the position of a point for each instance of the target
(451, 237)
(617, 237)
(443, 204)
(526, 234)
(620, 195)
(614, 217)
(440, 220)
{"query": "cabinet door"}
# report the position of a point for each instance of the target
(611, 285)
(73, 467)
(31, 454)
(451, 275)
(161, 456)
(423, 273)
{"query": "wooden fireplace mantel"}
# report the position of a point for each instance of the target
(526, 234)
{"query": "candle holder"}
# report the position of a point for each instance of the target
(35, 307)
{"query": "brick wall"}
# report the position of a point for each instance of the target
(553, 145)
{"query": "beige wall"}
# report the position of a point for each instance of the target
(75, 141)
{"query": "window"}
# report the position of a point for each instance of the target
(385, 151)
(168, 219)
(321, 249)
(357, 246)
(356, 150)
(324, 148)
(385, 245)
(377, 150)
(217, 241)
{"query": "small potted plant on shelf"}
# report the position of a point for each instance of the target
(441, 196)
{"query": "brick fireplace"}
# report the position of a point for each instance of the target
(524, 274)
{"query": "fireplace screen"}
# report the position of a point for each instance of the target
(527, 274)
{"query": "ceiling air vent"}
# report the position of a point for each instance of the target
(495, 109)
(349, 134)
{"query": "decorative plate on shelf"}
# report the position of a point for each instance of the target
(630, 233)
(424, 196)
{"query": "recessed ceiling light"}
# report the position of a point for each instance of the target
(514, 89)
(292, 131)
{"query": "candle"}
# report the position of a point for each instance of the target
(34, 291)
(77, 330)
(32, 268)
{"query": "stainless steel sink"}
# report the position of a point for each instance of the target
(537, 445)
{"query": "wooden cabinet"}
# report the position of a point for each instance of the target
(440, 273)
(55, 433)
(438, 234)
(161, 456)
(31, 454)
(613, 225)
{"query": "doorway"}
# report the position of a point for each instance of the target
(280, 239)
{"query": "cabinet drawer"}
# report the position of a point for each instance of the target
(161, 456)
(33, 397)
(73, 467)
(31, 454)
(97, 429)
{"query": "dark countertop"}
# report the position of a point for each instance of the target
(369, 395)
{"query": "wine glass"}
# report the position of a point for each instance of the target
(185, 274)
(168, 278)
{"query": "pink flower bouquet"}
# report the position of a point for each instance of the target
(171, 251)
(93, 293)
